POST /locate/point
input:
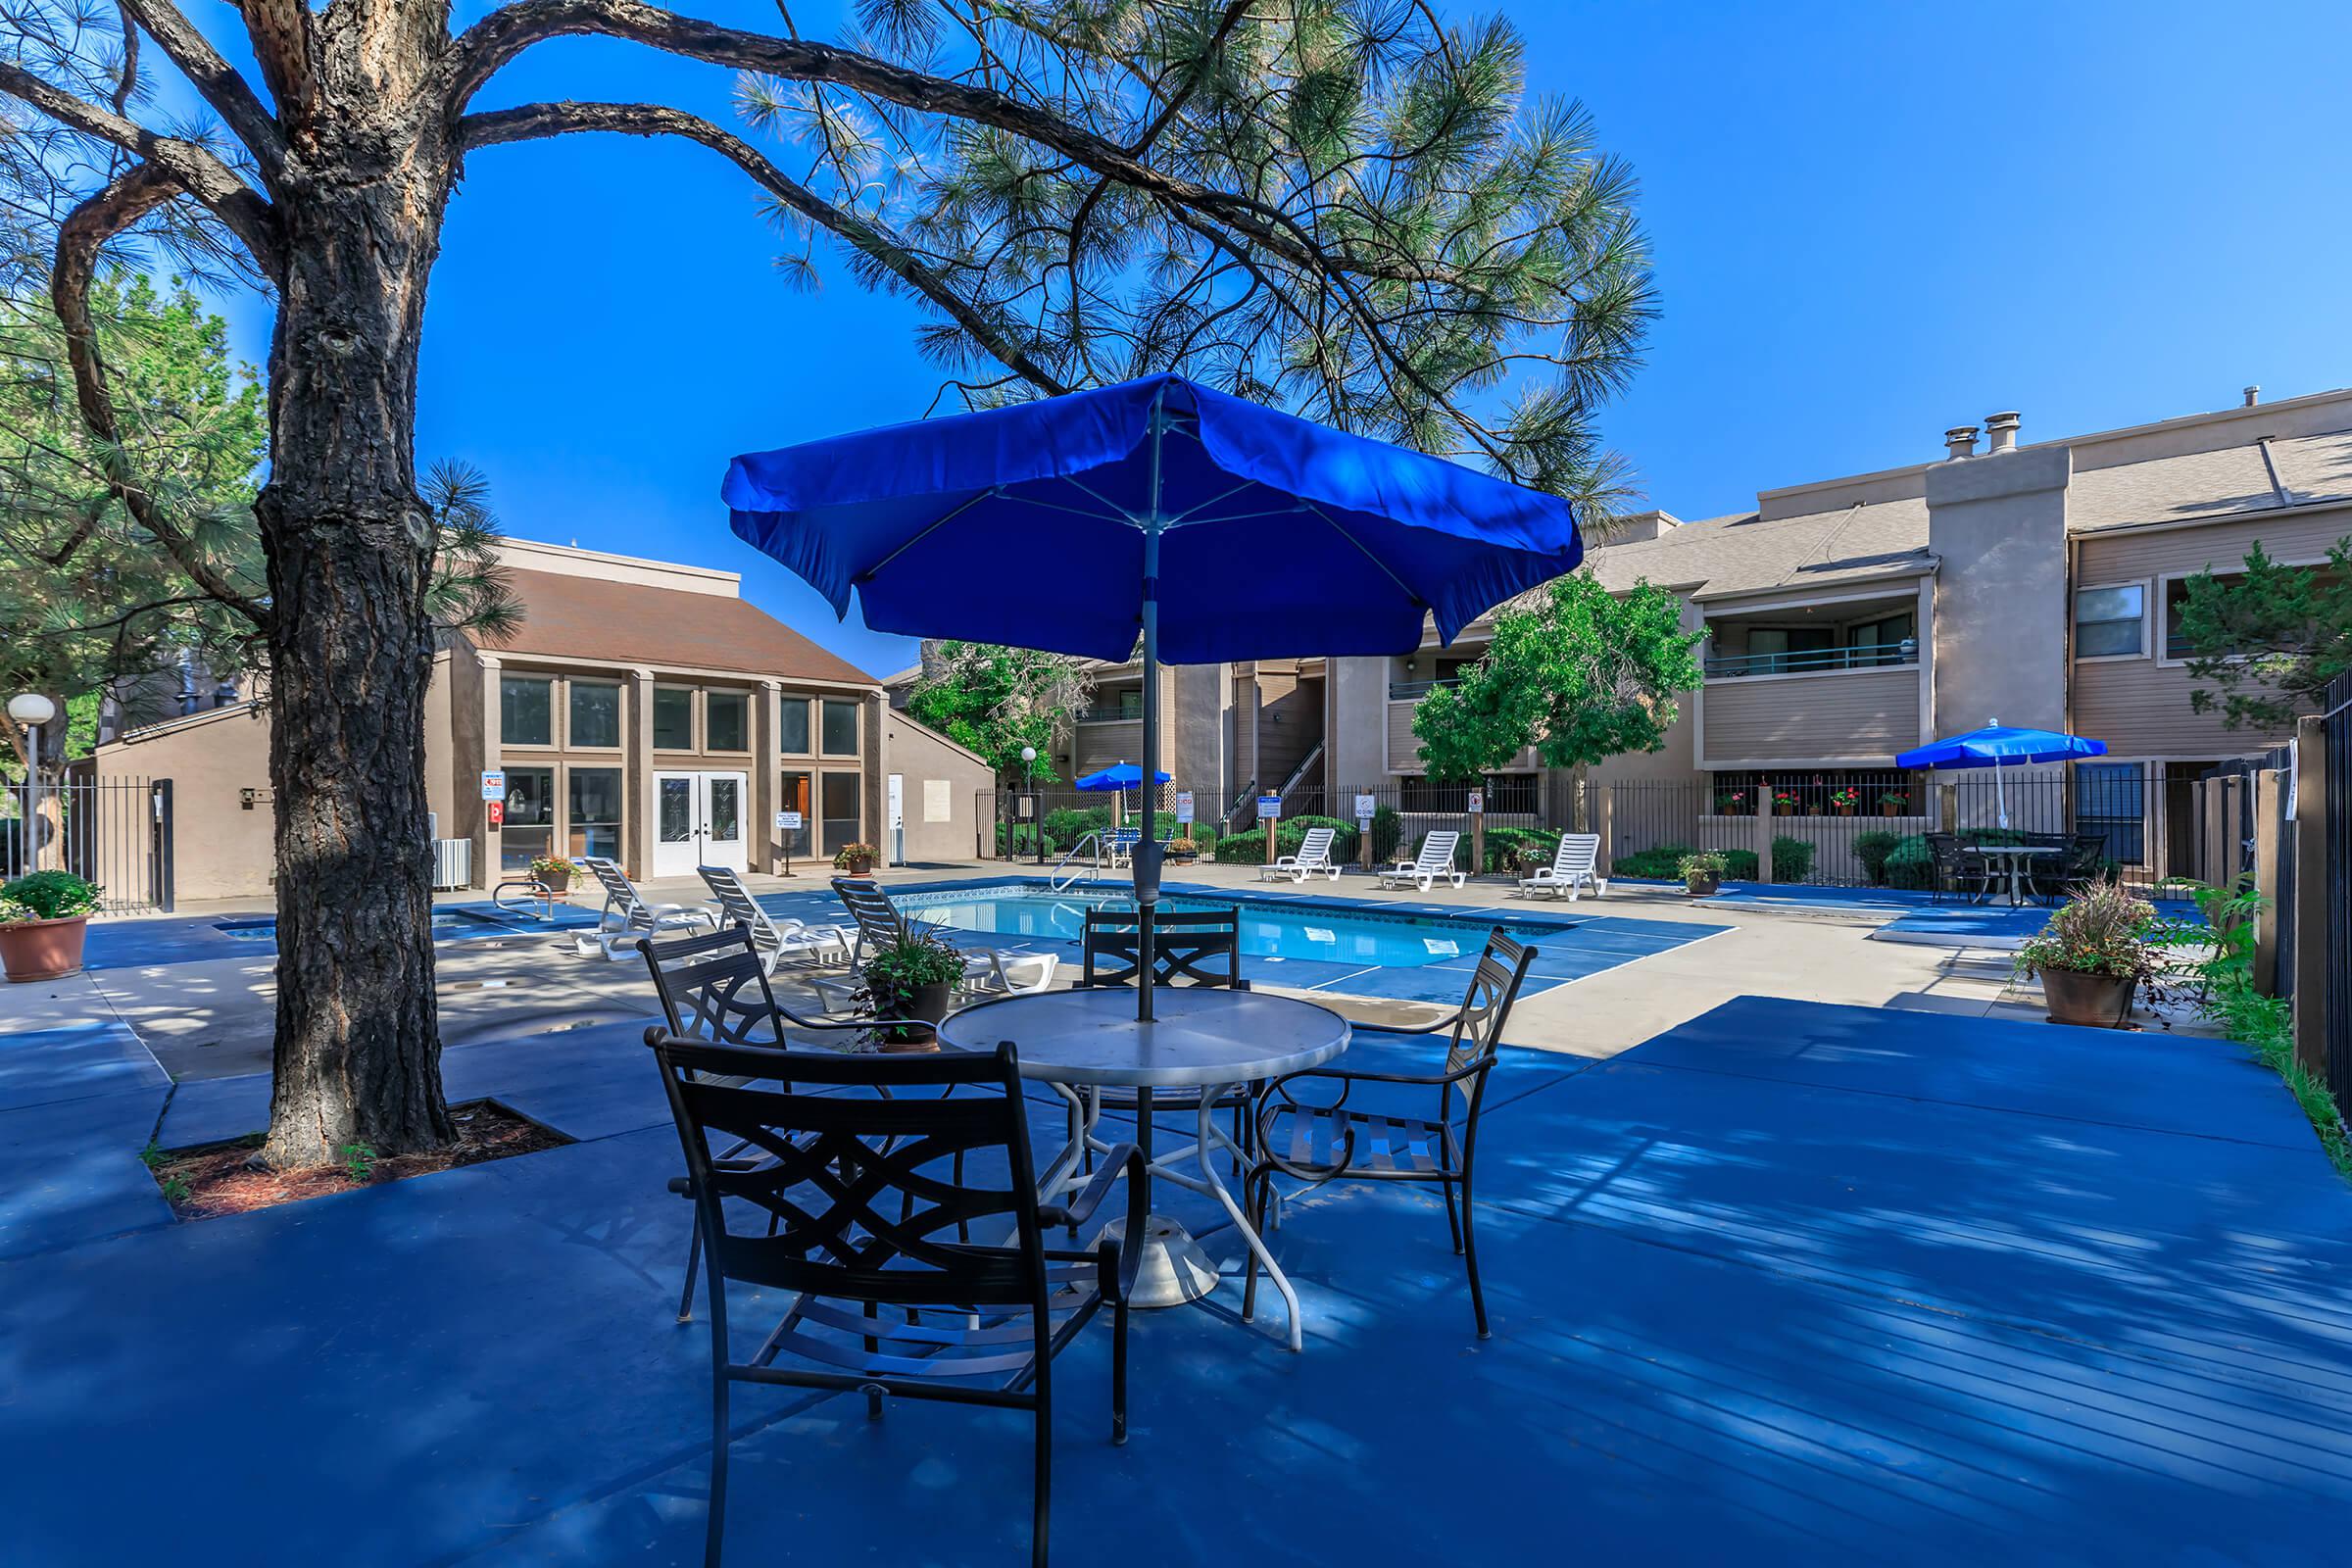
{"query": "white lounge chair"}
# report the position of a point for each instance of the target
(627, 917)
(1315, 855)
(1436, 865)
(773, 939)
(1570, 869)
(989, 971)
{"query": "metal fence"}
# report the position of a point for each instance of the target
(116, 832)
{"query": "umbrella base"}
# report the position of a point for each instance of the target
(1174, 1272)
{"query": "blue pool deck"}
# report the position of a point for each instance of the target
(1788, 1284)
(1903, 916)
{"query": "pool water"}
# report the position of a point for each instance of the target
(446, 924)
(1268, 930)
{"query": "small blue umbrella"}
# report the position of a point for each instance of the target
(1124, 776)
(1999, 745)
(1203, 526)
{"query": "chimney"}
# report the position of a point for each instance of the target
(2253, 396)
(2001, 432)
(1960, 441)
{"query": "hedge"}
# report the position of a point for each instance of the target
(1792, 858)
(1249, 848)
(1872, 850)
(1664, 863)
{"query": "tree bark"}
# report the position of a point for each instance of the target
(349, 543)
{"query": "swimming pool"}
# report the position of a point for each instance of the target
(1269, 930)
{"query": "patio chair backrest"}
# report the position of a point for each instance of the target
(619, 892)
(878, 920)
(1187, 947)
(736, 905)
(1316, 848)
(713, 988)
(1578, 853)
(851, 1196)
(1486, 1007)
(1436, 850)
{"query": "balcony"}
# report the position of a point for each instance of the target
(1412, 691)
(1111, 714)
(1812, 660)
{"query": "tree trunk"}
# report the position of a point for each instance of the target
(349, 543)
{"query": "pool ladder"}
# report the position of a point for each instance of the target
(1065, 871)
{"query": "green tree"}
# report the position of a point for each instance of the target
(997, 700)
(1578, 672)
(2269, 640)
(1350, 209)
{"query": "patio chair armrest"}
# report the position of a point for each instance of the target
(1435, 1026)
(1124, 1160)
(1433, 1079)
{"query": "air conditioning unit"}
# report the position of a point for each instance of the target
(453, 862)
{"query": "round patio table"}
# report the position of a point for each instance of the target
(1204, 1038)
(2017, 855)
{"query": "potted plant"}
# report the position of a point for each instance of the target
(44, 919)
(1783, 803)
(553, 874)
(855, 858)
(2093, 956)
(907, 983)
(1702, 872)
(1846, 801)
(1893, 803)
(1732, 803)
(1180, 850)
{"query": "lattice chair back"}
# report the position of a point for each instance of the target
(851, 1198)
(1486, 1007)
(1188, 946)
(713, 988)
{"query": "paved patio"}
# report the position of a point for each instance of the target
(1786, 1283)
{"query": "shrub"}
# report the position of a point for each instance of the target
(1509, 848)
(50, 895)
(1911, 864)
(1872, 850)
(1386, 829)
(1792, 858)
(1664, 863)
(1249, 848)
(1065, 825)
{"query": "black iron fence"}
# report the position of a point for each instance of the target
(116, 832)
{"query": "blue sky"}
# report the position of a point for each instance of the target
(1869, 223)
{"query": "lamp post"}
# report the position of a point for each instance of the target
(31, 709)
(1037, 822)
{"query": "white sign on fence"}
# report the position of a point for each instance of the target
(494, 783)
(1363, 807)
(1269, 806)
(1478, 802)
(1184, 807)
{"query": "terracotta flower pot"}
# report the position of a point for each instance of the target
(860, 864)
(2096, 1001)
(43, 950)
(1891, 811)
(1845, 810)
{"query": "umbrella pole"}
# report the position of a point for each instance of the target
(1147, 844)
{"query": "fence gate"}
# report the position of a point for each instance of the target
(116, 832)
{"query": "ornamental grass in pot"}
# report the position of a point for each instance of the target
(2095, 954)
(44, 921)
(908, 981)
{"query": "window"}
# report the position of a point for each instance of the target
(726, 807)
(800, 840)
(841, 793)
(841, 729)
(1885, 638)
(726, 722)
(2111, 622)
(792, 734)
(593, 820)
(674, 718)
(2111, 797)
(1776, 650)
(527, 710)
(595, 713)
(529, 830)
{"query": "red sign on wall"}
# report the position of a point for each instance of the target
(498, 812)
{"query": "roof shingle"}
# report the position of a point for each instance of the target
(630, 623)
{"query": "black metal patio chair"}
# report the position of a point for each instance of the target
(715, 988)
(847, 1208)
(1318, 1144)
(1188, 946)
(1957, 872)
(2083, 863)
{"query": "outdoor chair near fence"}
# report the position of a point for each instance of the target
(1315, 855)
(1572, 867)
(628, 917)
(1957, 870)
(997, 970)
(1433, 864)
(1316, 1141)
(1189, 948)
(777, 940)
(2083, 863)
(1118, 845)
(714, 988)
(843, 1216)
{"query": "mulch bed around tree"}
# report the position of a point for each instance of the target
(208, 1180)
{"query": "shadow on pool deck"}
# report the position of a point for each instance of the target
(1788, 1284)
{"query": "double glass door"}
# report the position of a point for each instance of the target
(698, 820)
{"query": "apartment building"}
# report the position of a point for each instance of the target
(643, 711)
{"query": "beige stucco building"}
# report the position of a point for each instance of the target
(643, 711)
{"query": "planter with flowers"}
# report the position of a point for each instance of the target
(2098, 951)
(1783, 803)
(855, 858)
(1733, 802)
(44, 920)
(1181, 851)
(1893, 803)
(1846, 801)
(553, 874)
(1702, 872)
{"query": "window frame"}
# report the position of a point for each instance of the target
(710, 747)
(567, 825)
(694, 718)
(808, 724)
(2164, 585)
(856, 729)
(551, 680)
(621, 714)
(2074, 621)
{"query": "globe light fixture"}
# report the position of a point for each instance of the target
(31, 708)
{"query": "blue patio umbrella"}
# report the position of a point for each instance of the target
(1203, 526)
(1120, 777)
(1999, 745)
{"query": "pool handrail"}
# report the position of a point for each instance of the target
(1057, 882)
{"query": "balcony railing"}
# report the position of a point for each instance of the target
(1412, 691)
(1111, 713)
(1870, 656)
